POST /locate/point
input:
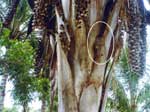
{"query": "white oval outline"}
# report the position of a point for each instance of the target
(110, 29)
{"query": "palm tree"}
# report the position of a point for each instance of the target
(81, 49)
(79, 77)
(128, 94)
(84, 47)
(16, 18)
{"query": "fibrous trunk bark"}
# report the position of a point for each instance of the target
(87, 45)
(83, 52)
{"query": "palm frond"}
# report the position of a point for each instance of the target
(146, 107)
(120, 101)
(144, 95)
(129, 77)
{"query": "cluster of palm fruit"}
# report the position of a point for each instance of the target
(43, 14)
(137, 38)
(143, 35)
(82, 11)
(40, 13)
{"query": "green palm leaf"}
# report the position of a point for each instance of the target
(120, 100)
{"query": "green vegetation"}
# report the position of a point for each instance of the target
(13, 109)
(28, 60)
(128, 94)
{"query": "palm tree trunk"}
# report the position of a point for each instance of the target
(25, 108)
(85, 43)
(81, 80)
(83, 51)
(2, 91)
(11, 13)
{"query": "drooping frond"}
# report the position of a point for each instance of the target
(119, 98)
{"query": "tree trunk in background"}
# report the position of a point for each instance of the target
(83, 83)
(43, 106)
(11, 13)
(2, 90)
(25, 108)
